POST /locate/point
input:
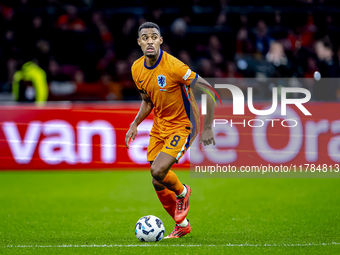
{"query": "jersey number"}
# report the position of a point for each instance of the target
(175, 141)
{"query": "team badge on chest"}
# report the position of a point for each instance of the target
(161, 79)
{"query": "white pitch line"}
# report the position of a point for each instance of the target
(169, 245)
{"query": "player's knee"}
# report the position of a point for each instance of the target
(157, 172)
(157, 185)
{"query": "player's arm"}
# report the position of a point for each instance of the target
(207, 136)
(144, 111)
(184, 75)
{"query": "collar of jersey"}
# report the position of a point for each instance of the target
(157, 62)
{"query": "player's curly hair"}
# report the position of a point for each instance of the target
(148, 25)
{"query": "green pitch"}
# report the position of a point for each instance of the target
(95, 213)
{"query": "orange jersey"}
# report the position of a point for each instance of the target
(167, 83)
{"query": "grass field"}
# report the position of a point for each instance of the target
(95, 213)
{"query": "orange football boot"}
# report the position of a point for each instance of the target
(182, 206)
(179, 232)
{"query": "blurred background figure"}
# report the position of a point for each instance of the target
(243, 43)
(70, 20)
(261, 39)
(30, 83)
(277, 57)
(179, 40)
(98, 90)
(221, 38)
(328, 64)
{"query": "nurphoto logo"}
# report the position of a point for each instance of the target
(239, 105)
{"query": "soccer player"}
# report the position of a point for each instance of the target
(165, 85)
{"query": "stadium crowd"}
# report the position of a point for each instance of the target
(87, 48)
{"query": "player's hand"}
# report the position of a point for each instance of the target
(207, 137)
(131, 134)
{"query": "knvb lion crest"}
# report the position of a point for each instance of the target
(161, 79)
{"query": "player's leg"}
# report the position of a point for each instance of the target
(174, 147)
(170, 200)
(165, 196)
(160, 170)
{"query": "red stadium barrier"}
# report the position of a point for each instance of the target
(91, 136)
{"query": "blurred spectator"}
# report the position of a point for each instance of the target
(105, 62)
(208, 35)
(30, 84)
(205, 68)
(244, 20)
(7, 12)
(307, 32)
(89, 91)
(222, 13)
(127, 35)
(105, 35)
(277, 57)
(302, 36)
(324, 50)
(10, 45)
(184, 56)
(43, 53)
(69, 70)
(311, 67)
(134, 54)
(156, 14)
(179, 27)
(129, 27)
(243, 43)
(215, 50)
(103, 29)
(55, 73)
(122, 76)
(278, 30)
(115, 88)
(233, 77)
(293, 41)
(231, 70)
(326, 88)
(122, 70)
(12, 65)
(179, 39)
(70, 20)
(166, 47)
(221, 19)
(310, 73)
(37, 31)
(261, 39)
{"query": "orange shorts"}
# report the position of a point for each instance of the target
(174, 142)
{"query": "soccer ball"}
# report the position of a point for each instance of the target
(149, 229)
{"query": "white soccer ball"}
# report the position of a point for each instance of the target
(149, 229)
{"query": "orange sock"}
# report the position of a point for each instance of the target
(168, 200)
(172, 183)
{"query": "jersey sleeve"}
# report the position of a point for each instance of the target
(183, 74)
(135, 79)
(134, 76)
